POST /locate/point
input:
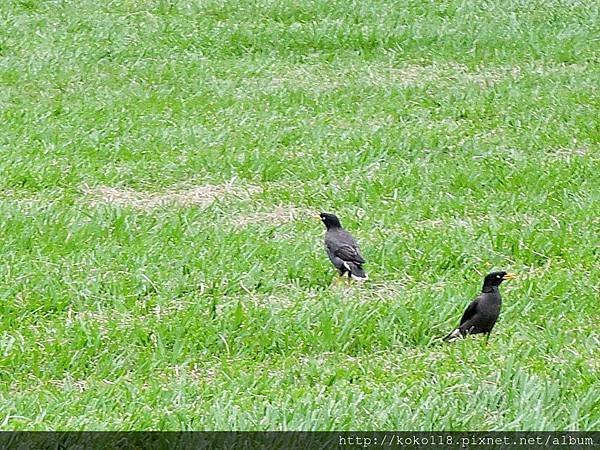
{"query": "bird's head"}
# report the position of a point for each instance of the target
(330, 220)
(496, 278)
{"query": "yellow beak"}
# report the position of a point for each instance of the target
(509, 276)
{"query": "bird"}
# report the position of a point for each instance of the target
(481, 315)
(342, 249)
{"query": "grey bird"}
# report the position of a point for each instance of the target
(342, 249)
(481, 315)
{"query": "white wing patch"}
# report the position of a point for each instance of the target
(354, 277)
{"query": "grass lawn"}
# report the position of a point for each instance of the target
(161, 165)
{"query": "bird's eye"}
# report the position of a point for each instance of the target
(497, 276)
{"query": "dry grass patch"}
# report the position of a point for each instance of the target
(197, 196)
(322, 79)
(69, 384)
(566, 154)
(279, 215)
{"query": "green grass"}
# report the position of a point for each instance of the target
(452, 138)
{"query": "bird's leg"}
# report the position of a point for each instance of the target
(487, 338)
(348, 280)
(336, 280)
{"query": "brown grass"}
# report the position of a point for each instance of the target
(279, 215)
(197, 196)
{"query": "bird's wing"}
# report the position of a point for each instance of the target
(349, 253)
(344, 246)
(470, 311)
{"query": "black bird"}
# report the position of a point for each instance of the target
(481, 315)
(342, 249)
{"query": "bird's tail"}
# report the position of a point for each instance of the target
(357, 272)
